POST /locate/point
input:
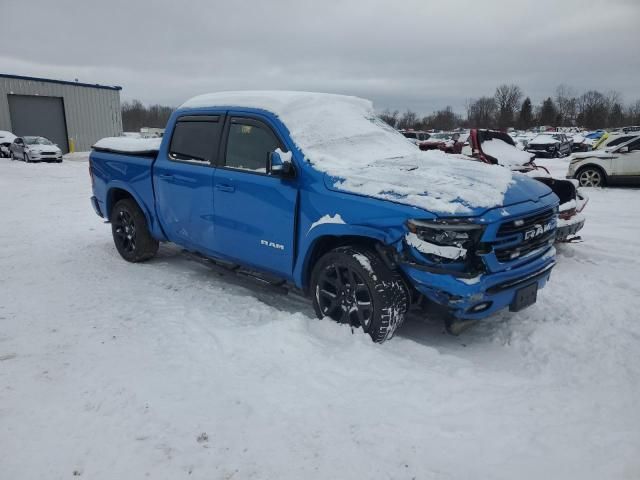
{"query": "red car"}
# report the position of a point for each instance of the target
(447, 142)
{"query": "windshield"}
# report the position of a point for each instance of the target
(37, 141)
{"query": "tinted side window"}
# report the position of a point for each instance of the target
(249, 144)
(196, 140)
(634, 145)
(618, 141)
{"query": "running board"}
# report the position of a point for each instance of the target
(223, 267)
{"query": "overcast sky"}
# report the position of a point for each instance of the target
(417, 54)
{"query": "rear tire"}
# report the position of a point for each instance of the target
(130, 232)
(353, 285)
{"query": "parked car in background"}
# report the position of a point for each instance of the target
(498, 148)
(580, 143)
(550, 144)
(416, 136)
(345, 209)
(35, 149)
(445, 141)
(614, 165)
(6, 139)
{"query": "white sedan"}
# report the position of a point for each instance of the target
(35, 149)
(618, 165)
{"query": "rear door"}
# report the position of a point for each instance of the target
(254, 211)
(627, 162)
(183, 180)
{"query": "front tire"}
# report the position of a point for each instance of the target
(591, 177)
(130, 232)
(25, 156)
(353, 285)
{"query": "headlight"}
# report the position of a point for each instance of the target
(443, 242)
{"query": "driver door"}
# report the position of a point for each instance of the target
(254, 210)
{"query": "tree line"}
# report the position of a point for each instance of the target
(508, 107)
(135, 115)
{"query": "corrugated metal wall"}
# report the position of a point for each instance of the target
(91, 113)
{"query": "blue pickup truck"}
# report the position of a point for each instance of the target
(314, 191)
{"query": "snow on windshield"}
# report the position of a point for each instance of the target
(505, 154)
(342, 137)
(37, 141)
(544, 139)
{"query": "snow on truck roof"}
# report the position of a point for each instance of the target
(343, 137)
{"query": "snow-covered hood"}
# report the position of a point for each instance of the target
(593, 154)
(440, 183)
(544, 140)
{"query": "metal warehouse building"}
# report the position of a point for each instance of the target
(74, 115)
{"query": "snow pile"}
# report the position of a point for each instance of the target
(6, 136)
(507, 155)
(129, 144)
(167, 370)
(342, 136)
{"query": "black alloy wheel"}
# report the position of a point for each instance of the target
(125, 232)
(344, 296)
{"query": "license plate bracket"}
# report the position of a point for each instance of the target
(525, 297)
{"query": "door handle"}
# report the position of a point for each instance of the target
(166, 176)
(224, 187)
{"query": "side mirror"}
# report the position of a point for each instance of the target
(279, 164)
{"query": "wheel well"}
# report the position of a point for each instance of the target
(592, 166)
(114, 196)
(328, 243)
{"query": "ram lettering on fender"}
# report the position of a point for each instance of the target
(267, 243)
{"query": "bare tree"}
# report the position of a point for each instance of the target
(593, 109)
(135, 116)
(445, 119)
(481, 113)
(566, 102)
(408, 119)
(390, 117)
(507, 99)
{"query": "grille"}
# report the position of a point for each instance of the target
(48, 153)
(519, 227)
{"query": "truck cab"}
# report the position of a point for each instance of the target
(315, 191)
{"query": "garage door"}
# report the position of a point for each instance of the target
(39, 116)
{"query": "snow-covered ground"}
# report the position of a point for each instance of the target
(166, 370)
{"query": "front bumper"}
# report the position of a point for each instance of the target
(569, 227)
(484, 295)
(35, 157)
(541, 152)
